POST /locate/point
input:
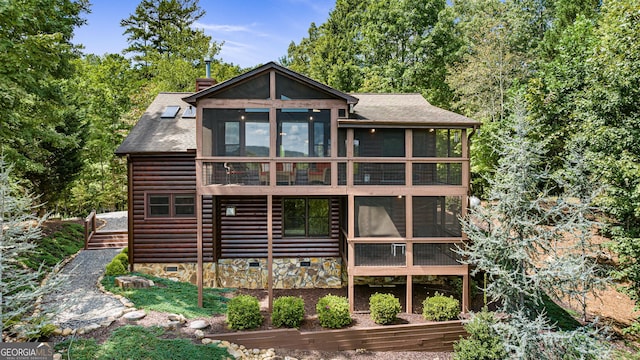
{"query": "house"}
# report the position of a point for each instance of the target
(274, 180)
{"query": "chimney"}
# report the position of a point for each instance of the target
(207, 82)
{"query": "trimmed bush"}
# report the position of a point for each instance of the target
(483, 342)
(115, 268)
(333, 311)
(123, 258)
(243, 312)
(440, 308)
(125, 251)
(288, 311)
(384, 308)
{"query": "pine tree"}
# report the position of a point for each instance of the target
(19, 285)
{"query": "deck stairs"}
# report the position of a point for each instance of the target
(108, 239)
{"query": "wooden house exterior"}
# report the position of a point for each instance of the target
(273, 180)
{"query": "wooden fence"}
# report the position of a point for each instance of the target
(89, 228)
(437, 336)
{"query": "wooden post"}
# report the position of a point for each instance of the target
(130, 248)
(270, 249)
(199, 241)
(465, 292)
(409, 302)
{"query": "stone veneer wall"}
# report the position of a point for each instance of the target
(289, 273)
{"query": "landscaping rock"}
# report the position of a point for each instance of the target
(57, 331)
(177, 317)
(198, 324)
(199, 334)
(134, 315)
(57, 356)
(171, 325)
(67, 332)
(133, 282)
(207, 341)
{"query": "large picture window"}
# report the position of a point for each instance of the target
(236, 132)
(306, 217)
(304, 132)
(171, 205)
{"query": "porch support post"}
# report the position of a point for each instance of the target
(270, 249)
(409, 302)
(465, 292)
(130, 248)
(350, 249)
(199, 247)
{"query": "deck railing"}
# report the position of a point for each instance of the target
(89, 228)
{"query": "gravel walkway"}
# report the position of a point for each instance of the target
(81, 303)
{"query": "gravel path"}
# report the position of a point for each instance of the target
(115, 221)
(79, 300)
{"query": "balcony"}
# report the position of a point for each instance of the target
(259, 173)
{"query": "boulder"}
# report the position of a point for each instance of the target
(133, 282)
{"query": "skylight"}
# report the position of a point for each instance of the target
(170, 111)
(189, 112)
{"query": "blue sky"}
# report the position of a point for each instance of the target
(254, 32)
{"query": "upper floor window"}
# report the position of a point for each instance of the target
(437, 143)
(378, 142)
(171, 205)
(304, 132)
(235, 132)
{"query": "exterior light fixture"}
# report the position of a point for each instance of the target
(230, 211)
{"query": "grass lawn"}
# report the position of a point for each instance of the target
(563, 319)
(136, 342)
(172, 297)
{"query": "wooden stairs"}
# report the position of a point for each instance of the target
(108, 239)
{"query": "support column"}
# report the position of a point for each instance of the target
(465, 292)
(199, 248)
(270, 249)
(409, 303)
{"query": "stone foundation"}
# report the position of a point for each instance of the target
(288, 273)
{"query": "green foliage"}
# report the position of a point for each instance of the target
(52, 249)
(288, 311)
(483, 342)
(137, 342)
(125, 251)
(171, 297)
(440, 308)
(123, 259)
(115, 268)
(333, 311)
(243, 312)
(384, 308)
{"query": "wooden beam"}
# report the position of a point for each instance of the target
(409, 302)
(130, 223)
(465, 293)
(199, 266)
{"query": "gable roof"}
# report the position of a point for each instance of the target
(155, 134)
(192, 99)
(402, 109)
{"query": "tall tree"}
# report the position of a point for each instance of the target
(164, 28)
(42, 130)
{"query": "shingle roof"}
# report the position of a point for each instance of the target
(154, 134)
(402, 109)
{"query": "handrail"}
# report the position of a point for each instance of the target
(89, 228)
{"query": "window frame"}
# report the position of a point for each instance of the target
(307, 226)
(172, 204)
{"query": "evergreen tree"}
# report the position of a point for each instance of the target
(19, 285)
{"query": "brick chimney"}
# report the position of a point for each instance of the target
(204, 83)
(201, 83)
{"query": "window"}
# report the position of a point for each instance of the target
(236, 132)
(378, 142)
(306, 217)
(437, 143)
(171, 205)
(304, 132)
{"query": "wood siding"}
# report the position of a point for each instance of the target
(245, 234)
(166, 239)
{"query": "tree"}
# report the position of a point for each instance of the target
(519, 240)
(163, 29)
(19, 285)
(42, 130)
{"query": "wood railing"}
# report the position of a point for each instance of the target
(89, 228)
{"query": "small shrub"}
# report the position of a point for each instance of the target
(115, 268)
(288, 311)
(440, 308)
(384, 308)
(125, 251)
(333, 311)
(124, 259)
(483, 342)
(243, 312)
(47, 330)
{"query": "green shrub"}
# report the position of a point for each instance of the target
(125, 251)
(333, 311)
(115, 268)
(483, 342)
(440, 308)
(384, 308)
(288, 311)
(124, 259)
(243, 312)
